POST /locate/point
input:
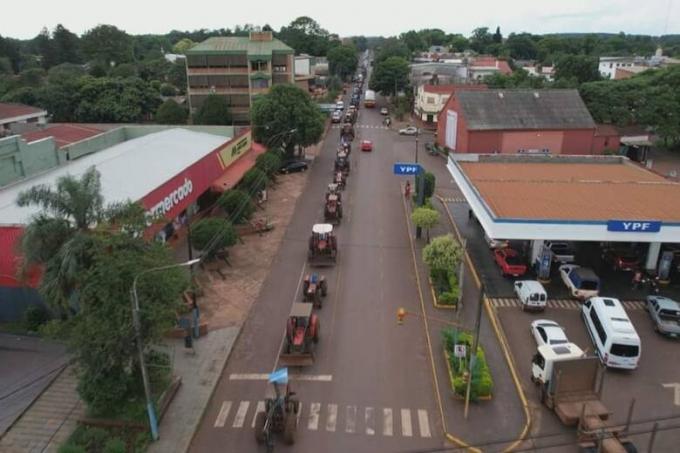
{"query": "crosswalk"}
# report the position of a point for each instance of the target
(334, 418)
(460, 199)
(362, 126)
(566, 304)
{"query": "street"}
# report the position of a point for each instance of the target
(371, 386)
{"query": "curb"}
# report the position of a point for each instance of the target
(500, 335)
(434, 298)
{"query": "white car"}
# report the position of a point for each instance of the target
(384, 111)
(411, 130)
(548, 332)
(340, 105)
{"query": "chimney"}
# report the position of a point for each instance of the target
(261, 36)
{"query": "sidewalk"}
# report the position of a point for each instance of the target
(200, 373)
(49, 421)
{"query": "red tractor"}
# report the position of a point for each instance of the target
(342, 162)
(323, 246)
(339, 180)
(314, 289)
(332, 211)
(302, 333)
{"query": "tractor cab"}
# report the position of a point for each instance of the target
(322, 245)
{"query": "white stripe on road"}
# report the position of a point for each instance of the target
(332, 417)
(406, 429)
(423, 423)
(224, 413)
(258, 409)
(240, 417)
(351, 420)
(387, 421)
(313, 423)
(291, 377)
(370, 421)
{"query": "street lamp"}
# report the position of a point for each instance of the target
(138, 337)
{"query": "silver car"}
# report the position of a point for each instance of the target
(665, 313)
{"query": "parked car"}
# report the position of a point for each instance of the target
(582, 282)
(340, 105)
(531, 294)
(510, 262)
(384, 111)
(562, 252)
(548, 332)
(621, 259)
(336, 116)
(366, 145)
(665, 313)
(294, 167)
(410, 130)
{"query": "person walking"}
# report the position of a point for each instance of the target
(637, 278)
(407, 189)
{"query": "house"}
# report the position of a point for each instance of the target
(608, 65)
(438, 73)
(237, 68)
(606, 140)
(536, 70)
(482, 66)
(13, 114)
(516, 121)
(628, 72)
(430, 99)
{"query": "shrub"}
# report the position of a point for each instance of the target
(442, 256)
(238, 204)
(482, 382)
(114, 445)
(90, 438)
(254, 181)
(71, 448)
(170, 112)
(212, 235)
(213, 111)
(35, 316)
(168, 90)
(269, 162)
(430, 181)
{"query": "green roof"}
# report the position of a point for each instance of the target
(238, 44)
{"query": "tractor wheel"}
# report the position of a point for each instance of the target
(290, 429)
(260, 419)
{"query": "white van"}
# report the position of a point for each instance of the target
(531, 294)
(614, 337)
(546, 356)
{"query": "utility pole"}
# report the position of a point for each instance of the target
(420, 185)
(473, 352)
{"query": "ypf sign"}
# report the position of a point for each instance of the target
(634, 226)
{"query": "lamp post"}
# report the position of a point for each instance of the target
(153, 422)
(420, 185)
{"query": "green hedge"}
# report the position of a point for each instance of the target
(482, 382)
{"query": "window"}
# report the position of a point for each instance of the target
(430, 100)
(625, 350)
(259, 65)
(598, 326)
(260, 83)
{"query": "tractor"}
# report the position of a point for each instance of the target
(314, 288)
(280, 416)
(342, 162)
(332, 211)
(335, 188)
(339, 181)
(347, 132)
(323, 246)
(302, 333)
(345, 146)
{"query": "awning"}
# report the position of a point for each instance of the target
(237, 169)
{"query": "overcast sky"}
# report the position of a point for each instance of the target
(24, 19)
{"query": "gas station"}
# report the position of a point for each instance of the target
(580, 199)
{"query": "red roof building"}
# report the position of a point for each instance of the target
(431, 99)
(19, 113)
(63, 134)
(483, 66)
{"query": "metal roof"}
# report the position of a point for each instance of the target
(524, 109)
(129, 170)
(220, 44)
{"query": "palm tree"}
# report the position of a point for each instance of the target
(59, 238)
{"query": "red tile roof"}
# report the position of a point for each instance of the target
(63, 134)
(492, 62)
(8, 110)
(440, 89)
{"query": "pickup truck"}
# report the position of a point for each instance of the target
(581, 282)
(562, 252)
(665, 314)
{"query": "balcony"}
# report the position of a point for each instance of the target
(218, 71)
(218, 90)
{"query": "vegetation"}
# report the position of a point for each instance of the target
(238, 204)
(170, 112)
(443, 256)
(343, 61)
(254, 181)
(212, 235)
(213, 111)
(430, 181)
(390, 76)
(482, 381)
(426, 218)
(269, 162)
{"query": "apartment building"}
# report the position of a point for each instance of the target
(238, 68)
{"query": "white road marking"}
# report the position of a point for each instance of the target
(406, 429)
(313, 423)
(240, 417)
(351, 420)
(370, 421)
(387, 421)
(676, 387)
(259, 408)
(332, 417)
(224, 413)
(291, 377)
(423, 423)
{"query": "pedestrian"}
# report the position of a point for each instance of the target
(407, 189)
(637, 278)
(469, 214)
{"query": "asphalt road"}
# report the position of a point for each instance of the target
(371, 387)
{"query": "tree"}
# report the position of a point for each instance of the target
(390, 76)
(107, 44)
(66, 45)
(360, 42)
(480, 39)
(124, 70)
(424, 217)
(31, 77)
(254, 181)
(580, 68)
(183, 45)
(170, 112)
(109, 100)
(44, 45)
(413, 40)
(269, 162)
(433, 36)
(458, 42)
(442, 255)
(177, 75)
(305, 35)
(343, 61)
(213, 111)
(167, 89)
(238, 204)
(498, 37)
(212, 235)
(287, 115)
(392, 47)
(521, 46)
(430, 181)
